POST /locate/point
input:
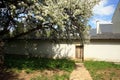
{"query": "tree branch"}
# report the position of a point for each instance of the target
(24, 33)
(29, 31)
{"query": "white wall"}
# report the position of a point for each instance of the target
(64, 50)
(40, 48)
(102, 51)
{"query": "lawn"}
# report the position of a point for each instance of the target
(22, 67)
(101, 70)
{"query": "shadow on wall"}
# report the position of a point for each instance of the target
(38, 48)
(62, 50)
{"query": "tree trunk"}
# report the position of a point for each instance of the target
(1, 53)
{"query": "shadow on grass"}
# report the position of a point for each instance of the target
(5, 74)
(19, 63)
(35, 63)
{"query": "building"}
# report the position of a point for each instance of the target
(104, 44)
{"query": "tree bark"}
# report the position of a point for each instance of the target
(1, 53)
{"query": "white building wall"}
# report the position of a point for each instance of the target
(64, 50)
(102, 51)
(41, 48)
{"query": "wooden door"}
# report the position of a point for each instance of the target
(79, 52)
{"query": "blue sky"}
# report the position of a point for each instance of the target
(103, 12)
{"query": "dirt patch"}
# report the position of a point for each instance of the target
(109, 74)
(47, 73)
(23, 75)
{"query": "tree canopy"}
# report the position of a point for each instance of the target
(53, 19)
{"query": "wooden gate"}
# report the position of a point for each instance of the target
(79, 52)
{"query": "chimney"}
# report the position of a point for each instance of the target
(97, 27)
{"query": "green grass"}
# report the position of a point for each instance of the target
(100, 65)
(29, 64)
(101, 70)
(54, 77)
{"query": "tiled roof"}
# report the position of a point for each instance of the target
(106, 36)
